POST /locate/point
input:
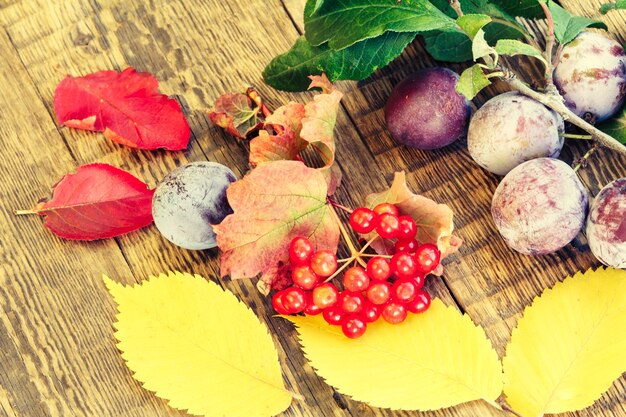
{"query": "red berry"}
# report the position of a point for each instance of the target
(362, 220)
(370, 312)
(304, 277)
(404, 290)
(378, 268)
(325, 295)
(386, 208)
(408, 228)
(379, 292)
(351, 302)
(333, 315)
(406, 245)
(404, 265)
(394, 313)
(277, 303)
(353, 326)
(356, 279)
(300, 250)
(420, 303)
(324, 263)
(427, 257)
(294, 300)
(311, 309)
(387, 226)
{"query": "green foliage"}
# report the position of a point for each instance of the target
(290, 71)
(514, 47)
(472, 80)
(472, 23)
(567, 26)
(619, 4)
(616, 127)
(368, 19)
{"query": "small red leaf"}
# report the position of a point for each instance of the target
(126, 106)
(237, 114)
(98, 201)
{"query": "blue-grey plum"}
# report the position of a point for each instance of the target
(540, 206)
(510, 129)
(591, 76)
(189, 200)
(606, 225)
(424, 111)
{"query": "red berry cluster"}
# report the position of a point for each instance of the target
(386, 287)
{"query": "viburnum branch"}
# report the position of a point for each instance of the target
(344, 232)
(355, 257)
(372, 255)
(549, 44)
(554, 101)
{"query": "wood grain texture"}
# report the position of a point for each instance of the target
(57, 350)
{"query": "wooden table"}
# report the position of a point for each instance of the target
(57, 352)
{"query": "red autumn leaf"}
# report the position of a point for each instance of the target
(98, 201)
(434, 221)
(126, 106)
(237, 114)
(273, 204)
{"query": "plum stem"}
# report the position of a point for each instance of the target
(549, 43)
(582, 162)
(572, 136)
(553, 100)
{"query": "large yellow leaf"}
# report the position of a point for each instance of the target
(433, 360)
(569, 346)
(197, 346)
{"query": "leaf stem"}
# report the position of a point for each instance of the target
(572, 136)
(23, 212)
(582, 162)
(554, 101)
(549, 43)
(495, 74)
(505, 407)
(339, 206)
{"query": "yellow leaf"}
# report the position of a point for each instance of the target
(433, 360)
(569, 346)
(196, 345)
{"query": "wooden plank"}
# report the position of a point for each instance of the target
(57, 355)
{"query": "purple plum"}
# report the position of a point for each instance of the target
(540, 206)
(606, 225)
(591, 76)
(424, 111)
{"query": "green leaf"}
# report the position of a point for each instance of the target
(480, 47)
(455, 46)
(523, 8)
(514, 47)
(472, 80)
(472, 23)
(290, 71)
(567, 26)
(619, 4)
(615, 127)
(345, 23)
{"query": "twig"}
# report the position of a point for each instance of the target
(344, 232)
(549, 43)
(355, 257)
(340, 206)
(456, 5)
(582, 162)
(555, 102)
(572, 136)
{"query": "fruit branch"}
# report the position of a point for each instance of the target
(346, 237)
(549, 45)
(355, 257)
(582, 162)
(554, 101)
